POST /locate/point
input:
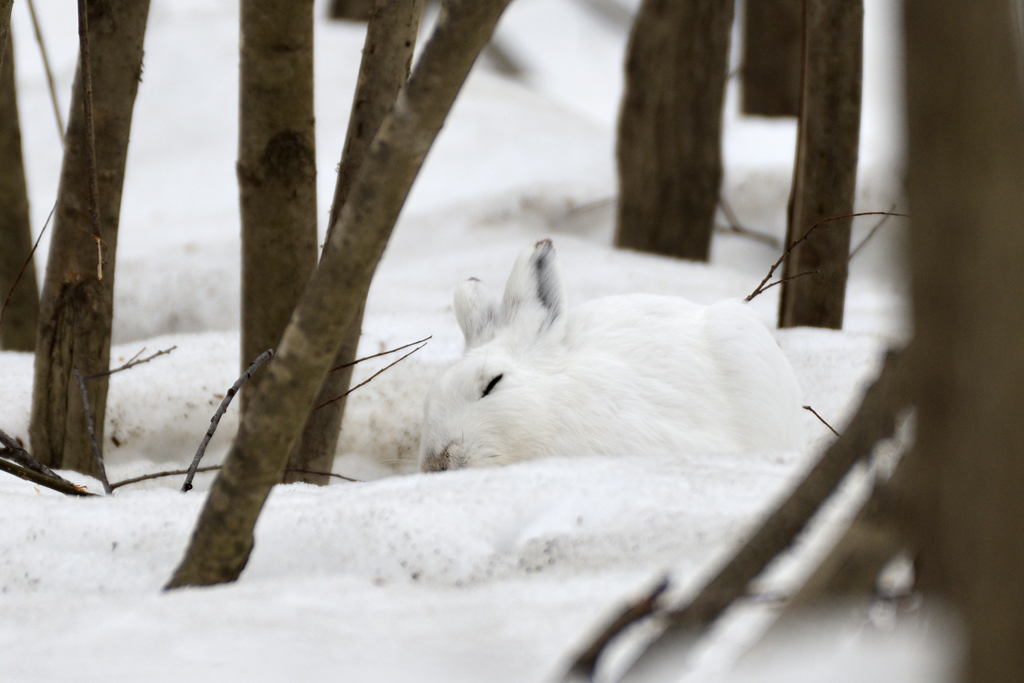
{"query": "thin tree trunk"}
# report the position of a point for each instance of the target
(670, 127)
(223, 537)
(276, 170)
(387, 60)
(825, 176)
(773, 40)
(18, 327)
(76, 307)
(965, 116)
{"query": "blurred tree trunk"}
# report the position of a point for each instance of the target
(276, 170)
(223, 538)
(825, 175)
(18, 327)
(351, 10)
(387, 59)
(76, 308)
(966, 192)
(5, 25)
(670, 127)
(772, 57)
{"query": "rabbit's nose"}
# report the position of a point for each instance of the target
(436, 462)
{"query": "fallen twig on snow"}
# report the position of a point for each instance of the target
(23, 465)
(875, 420)
(771, 271)
(91, 428)
(736, 228)
(215, 420)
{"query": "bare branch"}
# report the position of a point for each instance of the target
(878, 226)
(815, 412)
(212, 468)
(736, 228)
(16, 452)
(371, 378)
(24, 266)
(762, 290)
(771, 271)
(215, 420)
(383, 353)
(131, 363)
(55, 483)
(87, 412)
(875, 420)
(49, 72)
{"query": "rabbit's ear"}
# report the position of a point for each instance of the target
(535, 288)
(476, 309)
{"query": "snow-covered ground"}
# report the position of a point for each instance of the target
(463, 576)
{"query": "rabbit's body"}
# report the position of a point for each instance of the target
(627, 374)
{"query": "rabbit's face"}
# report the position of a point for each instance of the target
(480, 412)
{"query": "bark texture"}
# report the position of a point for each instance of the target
(18, 325)
(223, 536)
(825, 174)
(670, 127)
(965, 180)
(276, 170)
(76, 308)
(387, 60)
(773, 41)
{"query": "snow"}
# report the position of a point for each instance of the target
(463, 576)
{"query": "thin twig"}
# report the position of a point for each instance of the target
(24, 266)
(211, 468)
(878, 226)
(87, 412)
(49, 72)
(57, 484)
(382, 353)
(815, 412)
(771, 271)
(215, 420)
(364, 383)
(736, 228)
(131, 363)
(779, 282)
(90, 133)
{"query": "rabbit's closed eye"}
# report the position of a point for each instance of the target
(491, 385)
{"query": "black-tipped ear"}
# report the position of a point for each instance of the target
(476, 309)
(535, 287)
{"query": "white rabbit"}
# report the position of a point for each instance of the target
(619, 375)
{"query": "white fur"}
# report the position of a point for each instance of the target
(623, 374)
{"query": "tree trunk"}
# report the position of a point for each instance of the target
(773, 40)
(76, 307)
(965, 181)
(276, 170)
(351, 10)
(5, 25)
(670, 127)
(223, 537)
(387, 59)
(825, 176)
(19, 320)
